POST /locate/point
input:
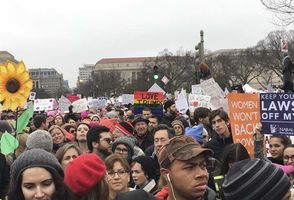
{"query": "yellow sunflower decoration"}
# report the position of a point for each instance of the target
(15, 85)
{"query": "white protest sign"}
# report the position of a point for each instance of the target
(80, 105)
(182, 105)
(64, 103)
(127, 99)
(211, 88)
(44, 104)
(196, 89)
(196, 100)
(32, 96)
(97, 103)
(156, 88)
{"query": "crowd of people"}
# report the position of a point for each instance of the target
(111, 153)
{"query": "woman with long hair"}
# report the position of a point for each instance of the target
(36, 174)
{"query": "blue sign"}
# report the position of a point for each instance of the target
(277, 113)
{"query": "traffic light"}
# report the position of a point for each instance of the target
(155, 73)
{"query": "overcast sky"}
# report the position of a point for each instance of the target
(65, 34)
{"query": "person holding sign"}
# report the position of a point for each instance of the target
(277, 144)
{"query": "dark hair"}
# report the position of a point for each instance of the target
(233, 153)
(146, 109)
(38, 120)
(156, 117)
(219, 112)
(170, 131)
(200, 112)
(62, 192)
(93, 135)
(63, 121)
(120, 112)
(285, 140)
(289, 146)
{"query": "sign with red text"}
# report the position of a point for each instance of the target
(153, 100)
(244, 112)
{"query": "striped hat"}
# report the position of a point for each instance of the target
(125, 127)
(255, 179)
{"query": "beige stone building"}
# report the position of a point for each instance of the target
(48, 79)
(5, 56)
(129, 68)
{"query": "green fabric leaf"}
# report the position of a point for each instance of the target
(24, 119)
(8, 143)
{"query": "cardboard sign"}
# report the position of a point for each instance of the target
(277, 113)
(210, 88)
(196, 89)
(153, 100)
(80, 105)
(196, 100)
(64, 103)
(44, 104)
(32, 96)
(97, 103)
(244, 111)
(127, 99)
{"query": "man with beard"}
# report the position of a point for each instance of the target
(142, 134)
(170, 113)
(183, 166)
(99, 141)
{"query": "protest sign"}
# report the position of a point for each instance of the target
(80, 105)
(44, 104)
(32, 96)
(64, 103)
(196, 100)
(127, 99)
(277, 113)
(156, 88)
(196, 89)
(96, 103)
(153, 100)
(210, 88)
(244, 111)
(182, 105)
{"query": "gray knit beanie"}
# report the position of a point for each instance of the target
(40, 139)
(35, 158)
(128, 142)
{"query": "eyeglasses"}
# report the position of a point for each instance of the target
(121, 150)
(112, 174)
(286, 158)
(108, 140)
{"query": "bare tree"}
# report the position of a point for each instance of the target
(283, 10)
(179, 68)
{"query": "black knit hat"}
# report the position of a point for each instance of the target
(255, 179)
(148, 165)
(168, 104)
